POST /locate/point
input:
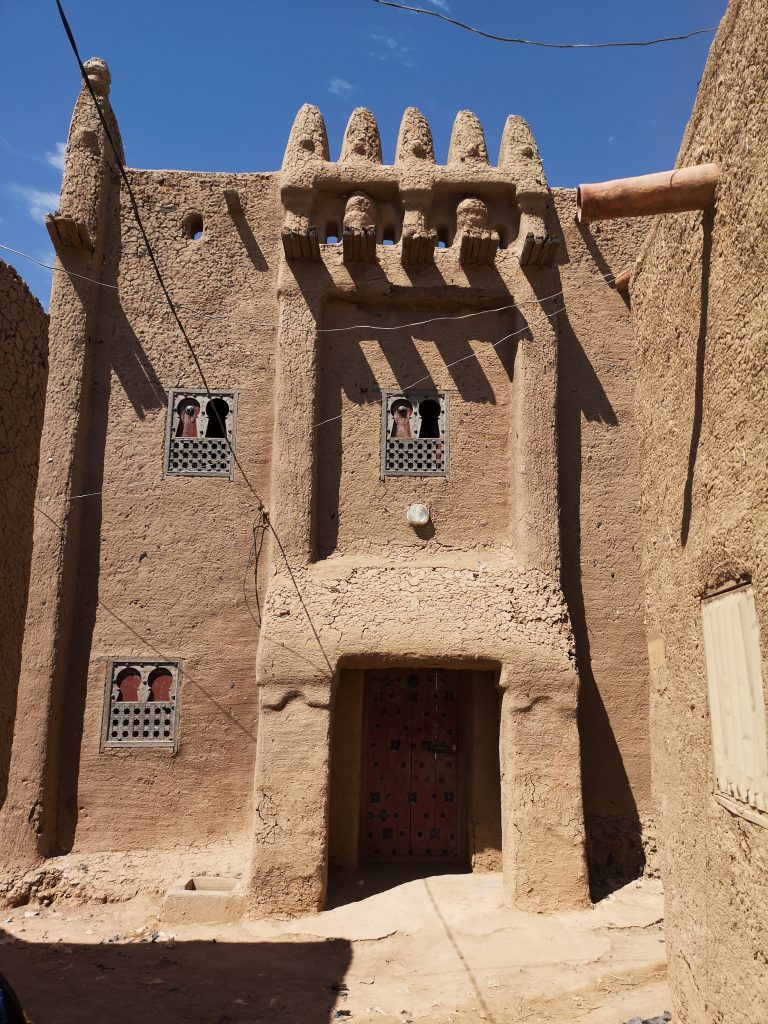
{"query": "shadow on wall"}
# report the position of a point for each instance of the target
(614, 840)
(345, 373)
(215, 983)
(698, 399)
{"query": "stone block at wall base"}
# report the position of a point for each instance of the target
(204, 900)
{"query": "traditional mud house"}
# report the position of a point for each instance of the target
(415, 417)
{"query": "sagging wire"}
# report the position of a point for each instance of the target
(247, 322)
(428, 376)
(259, 529)
(187, 341)
(537, 42)
(150, 250)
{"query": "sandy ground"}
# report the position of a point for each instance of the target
(435, 950)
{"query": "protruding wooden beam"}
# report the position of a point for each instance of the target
(539, 250)
(417, 248)
(301, 245)
(232, 199)
(67, 233)
(359, 244)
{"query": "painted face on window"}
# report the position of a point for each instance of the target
(429, 411)
(402, 410)
(188, 410)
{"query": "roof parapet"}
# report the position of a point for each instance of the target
(519, 156)
(467, 140)
(308, 141)
(414, 140)
(361, 138)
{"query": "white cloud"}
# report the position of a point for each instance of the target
(38, 203)
(391, 48)
(340, 87)
(56, 158)
(440, 4)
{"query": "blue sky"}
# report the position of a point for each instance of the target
(204, 86)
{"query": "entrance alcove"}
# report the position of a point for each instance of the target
(415, 780)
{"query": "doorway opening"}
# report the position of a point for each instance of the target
(415, 781)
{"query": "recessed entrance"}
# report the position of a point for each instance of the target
(415, 750)
(413, 795)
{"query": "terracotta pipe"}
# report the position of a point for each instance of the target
(621, 281)
(688, 188)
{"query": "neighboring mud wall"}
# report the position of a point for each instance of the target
(600, 527)
(23, 372)
(700, 306)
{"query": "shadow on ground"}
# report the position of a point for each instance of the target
(185, 983)
(344, 887)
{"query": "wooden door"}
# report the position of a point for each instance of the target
(413, 796)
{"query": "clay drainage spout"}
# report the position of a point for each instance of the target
(688, 188)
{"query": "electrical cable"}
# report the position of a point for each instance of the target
(265, 520)
(137, 215)
(413, 384)
(60, 270)
(609, 278)
(472, 355)
(536, 42)
(150, 250)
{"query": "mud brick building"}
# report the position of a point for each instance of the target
(441, 658)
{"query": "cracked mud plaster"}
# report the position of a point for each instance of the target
(700, 312)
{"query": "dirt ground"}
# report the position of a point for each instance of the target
(436, 950)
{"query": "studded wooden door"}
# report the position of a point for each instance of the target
(413, 779)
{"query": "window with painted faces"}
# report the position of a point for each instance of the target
(141, 704)
(414, 434)
(201, 433)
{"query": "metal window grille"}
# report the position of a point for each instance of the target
(193, 443)
(736, 697)
(415, 435)
(141, 706)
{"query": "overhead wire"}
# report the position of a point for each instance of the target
(536, 42)
(150, 252)
(148, 245)
(419, 323)
(263, 522)
(249, 322)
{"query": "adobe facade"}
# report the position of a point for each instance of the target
(699, 304)
(208, 658)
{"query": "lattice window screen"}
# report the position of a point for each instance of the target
(141, 705)
(415, 434)
(196, 438)
(736, 696)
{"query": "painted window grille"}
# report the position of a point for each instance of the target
(736, 701)
(141, 705)
(200, 431)
(415, 438)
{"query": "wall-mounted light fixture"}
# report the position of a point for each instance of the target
(418, 515)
